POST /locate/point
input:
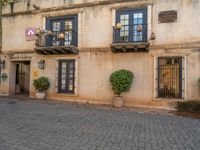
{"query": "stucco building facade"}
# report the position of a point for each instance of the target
(80, 44)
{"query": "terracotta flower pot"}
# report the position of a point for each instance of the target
(40, 95)
(118, 101)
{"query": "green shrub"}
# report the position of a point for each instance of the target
(189, 106)
(41, 84)
(121, 81)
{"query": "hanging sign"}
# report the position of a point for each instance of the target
(30, 33)
(35, 73)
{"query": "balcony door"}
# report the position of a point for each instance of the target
(131, 20)
(64, 31)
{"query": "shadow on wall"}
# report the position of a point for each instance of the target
(199, 88)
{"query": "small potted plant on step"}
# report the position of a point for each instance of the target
(41, 85)
(121, 82)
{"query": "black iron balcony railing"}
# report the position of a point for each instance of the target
(130, 33)
(57, 38)
(57, 42)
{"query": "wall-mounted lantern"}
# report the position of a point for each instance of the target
(118, 26)
(41, 64)
(4, 76)
(153, 36)
(2, 64)
(49, 33)
(36, 7)
(139, 28)
(61, 36)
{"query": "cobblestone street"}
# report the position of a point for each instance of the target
(32, 125)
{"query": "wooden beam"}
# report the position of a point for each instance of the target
(130, 47)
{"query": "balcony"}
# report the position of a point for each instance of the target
(130, 38)
(56, 42)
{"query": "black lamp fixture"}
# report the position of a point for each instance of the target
(41, 64)
(2, 64)
(36, 7)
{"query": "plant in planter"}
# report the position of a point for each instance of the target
(41, 85)
(121, 81)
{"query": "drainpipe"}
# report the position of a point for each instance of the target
(12, 6)
(0, 35)
(0, 26)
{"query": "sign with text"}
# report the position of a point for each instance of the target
(30, 33)
(20, 57)
(167, 16)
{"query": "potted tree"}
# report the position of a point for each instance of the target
(121, 81)
(41, 85)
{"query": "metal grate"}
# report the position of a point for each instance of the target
(170, 77)
(130, 34)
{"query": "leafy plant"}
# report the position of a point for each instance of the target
(189, 106)
(41, 84)
(121, 81)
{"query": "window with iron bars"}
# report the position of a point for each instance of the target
(170, 77)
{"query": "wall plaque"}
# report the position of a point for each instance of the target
(167, 16)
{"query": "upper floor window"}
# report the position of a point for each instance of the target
(63, 31)
(133, 26)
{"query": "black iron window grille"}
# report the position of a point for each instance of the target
(170, 77)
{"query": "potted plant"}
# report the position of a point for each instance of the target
(41, 85)
(121, 81)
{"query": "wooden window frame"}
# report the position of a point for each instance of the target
(131, 33)
(74, 19)
(66, 90)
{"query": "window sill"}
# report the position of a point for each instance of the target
(168, 99)
(66, 94)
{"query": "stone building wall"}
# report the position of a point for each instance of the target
(95, 61)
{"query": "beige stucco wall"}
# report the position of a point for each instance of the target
(96, 62)
(97, 21)
(187, 26)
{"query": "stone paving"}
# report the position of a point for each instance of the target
(32, 125)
